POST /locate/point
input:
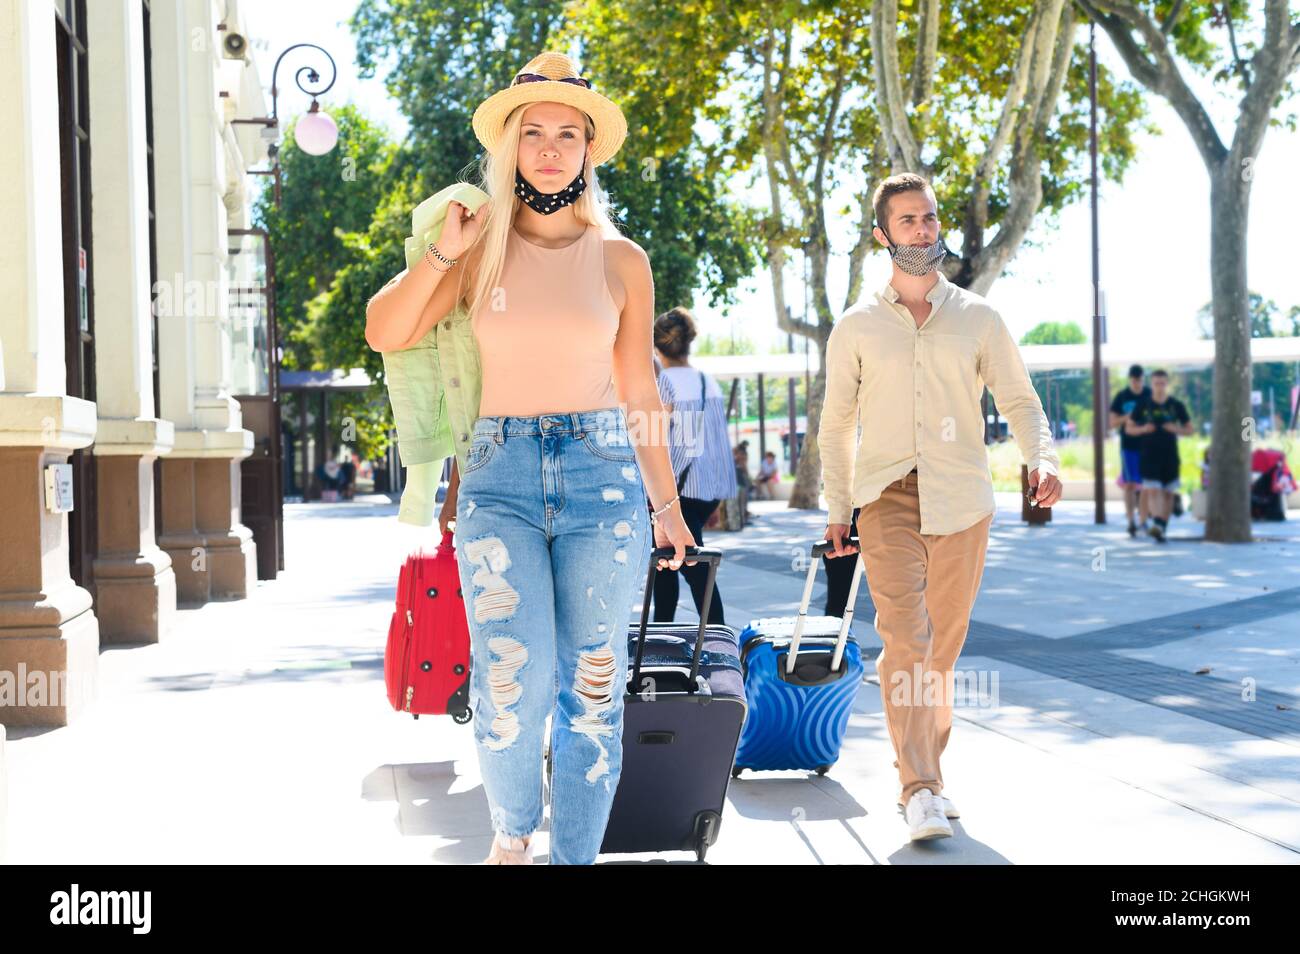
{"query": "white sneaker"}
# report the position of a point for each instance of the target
(925, 816)
(510, 851)
(949, 809)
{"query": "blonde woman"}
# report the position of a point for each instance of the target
(551, 520)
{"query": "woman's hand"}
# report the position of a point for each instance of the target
(459, 230)
(671, 531)
(447, 514)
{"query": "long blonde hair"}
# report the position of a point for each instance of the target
(497, 179)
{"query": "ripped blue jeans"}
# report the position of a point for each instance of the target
(552, 539)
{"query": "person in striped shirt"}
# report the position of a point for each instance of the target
(700, 453)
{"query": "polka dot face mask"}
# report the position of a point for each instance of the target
(917, 259)
(548, 202)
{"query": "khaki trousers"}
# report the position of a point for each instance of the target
(923, 586)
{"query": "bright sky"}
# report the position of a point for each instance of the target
(1155, 234)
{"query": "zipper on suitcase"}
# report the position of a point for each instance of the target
(406, 658)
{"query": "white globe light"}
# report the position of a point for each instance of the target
(316, 133)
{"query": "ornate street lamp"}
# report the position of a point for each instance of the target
(316, 133)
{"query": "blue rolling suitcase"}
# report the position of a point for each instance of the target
(682, 714)
(801, 676)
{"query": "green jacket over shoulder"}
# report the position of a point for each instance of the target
(435, 384)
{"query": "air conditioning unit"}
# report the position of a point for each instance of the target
(232, 34)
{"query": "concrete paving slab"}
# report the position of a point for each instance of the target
(258, 730)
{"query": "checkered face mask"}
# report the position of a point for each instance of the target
(917, 259)
(548, 202)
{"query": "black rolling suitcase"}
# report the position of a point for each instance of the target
(684, 707)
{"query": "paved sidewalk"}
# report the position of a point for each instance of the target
(258, 731)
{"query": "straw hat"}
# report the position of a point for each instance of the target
(611, 126)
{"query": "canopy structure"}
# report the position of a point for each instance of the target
(313, 449)
(1037, 357)
(336, 379)
(1071, 357)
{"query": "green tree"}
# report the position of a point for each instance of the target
(444, 57)
(710, 345)
(1054, 333)
(338, 316)
(1269, 378)
(1258, 57)
(325, 202)
(338, 232)
(821, 99)
(322, 198)
(1063, 393)
(1261, 310)
(991, 101)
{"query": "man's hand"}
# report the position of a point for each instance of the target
(836, 533)
(1047, 490)
(1171, 427)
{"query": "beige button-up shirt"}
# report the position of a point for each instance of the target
(917, 394)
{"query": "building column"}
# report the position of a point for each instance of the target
(135, 586)
(49, 635)
(213, 554)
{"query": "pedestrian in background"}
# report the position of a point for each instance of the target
(697, 445)
(768, 477)
(1122, 407)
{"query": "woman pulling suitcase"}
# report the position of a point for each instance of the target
(550, 510)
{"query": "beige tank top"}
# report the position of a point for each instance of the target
(546, 337)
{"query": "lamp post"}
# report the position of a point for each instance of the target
(1100, 404)
(316, 133)
(263, 511)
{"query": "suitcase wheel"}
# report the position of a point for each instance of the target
(706, 832)
(461, 717)
(735, 772)
(823, 769)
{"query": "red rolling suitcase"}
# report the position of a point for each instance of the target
(426, 661)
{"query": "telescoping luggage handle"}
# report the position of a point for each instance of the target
(819, 548)
(710, 555)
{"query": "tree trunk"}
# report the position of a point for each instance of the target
(806, 492)
(1232, 430)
